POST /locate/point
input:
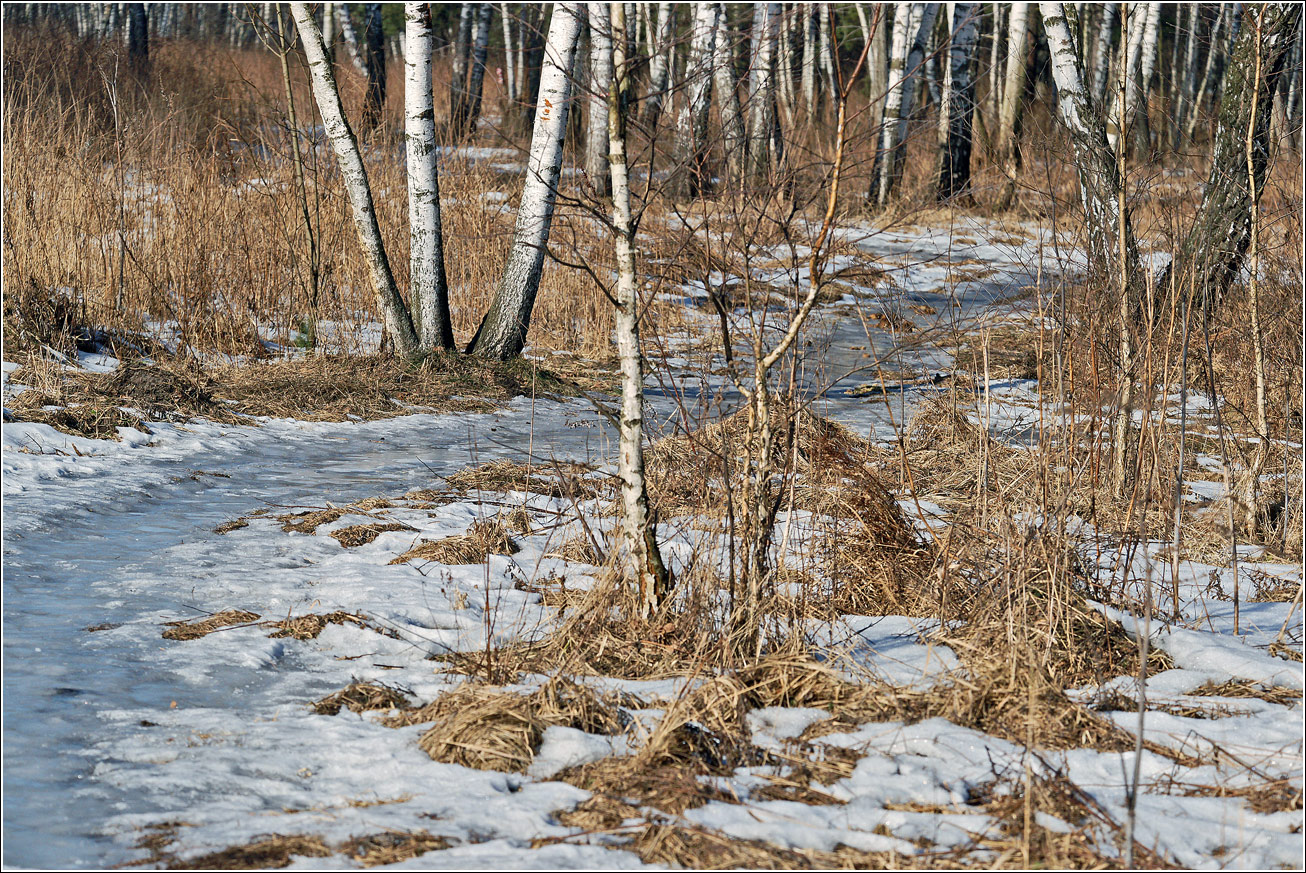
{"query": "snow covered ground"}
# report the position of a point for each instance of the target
(113, 732)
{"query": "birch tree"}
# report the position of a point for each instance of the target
(726, 86)
(374, 61)
(1099, 178)
(691, 129)
(502, 333)
(1102, 53)
(761, 99)
(600, 82)
(659, 46)
(460, 62)
(398, 322)
(467, 111)
(1214, 248)
(509, 58)
(638, 532)
(428, 288)
(1013, 100)
(906, 60)
(957, 109)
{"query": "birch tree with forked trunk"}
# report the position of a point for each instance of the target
(398, 322)
(1013, 100)
(906, 60)
(658, 65)
(428, 288)
(502, 333)
(374, 61)
(726, 86)
(600, 82)
(956, 110)
(1099, 178)
(638, 531)
(691, 129)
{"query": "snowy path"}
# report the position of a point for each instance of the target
(112, 731)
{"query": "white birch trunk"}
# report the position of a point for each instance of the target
(691, 132)
(1102, 53)
(1099, 181)
(727, 95)
(509, 66)
(826, 51)
(1147, 53)
(1187, 76)
(760, 97)
(600, 82)
(959, 105)
(427, 285)
(502, 333)
(658, 65)
(893, 128)
(329, 30)
(1013, 93)
(398, 323)
(349, 35)
(638, 533)
(476, 72)
(811, 32)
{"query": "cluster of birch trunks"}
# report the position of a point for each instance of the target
(1130, 82)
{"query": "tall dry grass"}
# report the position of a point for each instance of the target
(168, 206)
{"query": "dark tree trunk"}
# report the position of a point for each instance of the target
(374, 99)
(138, 38)
(1213, 252)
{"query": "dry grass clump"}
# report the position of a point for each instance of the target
(1022, 842)
(308, 521)
(391, 847)
(361, 534)
(308, 627)
(686, 471)
(697, 848)
(560, 479)
(362, 697)
(579, 549)
(491, 729)
(272, 850)
(193, 630)
(484, 537)
(1238, 688)
(339, 387)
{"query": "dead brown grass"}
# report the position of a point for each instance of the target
(362, 697)
(491, 729)
(483, 538)
(391, 847)
(273, 850)
(308, 627)
(361, 534)
(193, 630)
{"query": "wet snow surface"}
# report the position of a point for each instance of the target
(111, 729)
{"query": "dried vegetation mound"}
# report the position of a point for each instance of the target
(391, 847)
(308, 627)
(337, 387)
(193, 630)
(274, 850)
(492, 729)
(362, 697)
(483, 538)
(558, 479)
(361, 534)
